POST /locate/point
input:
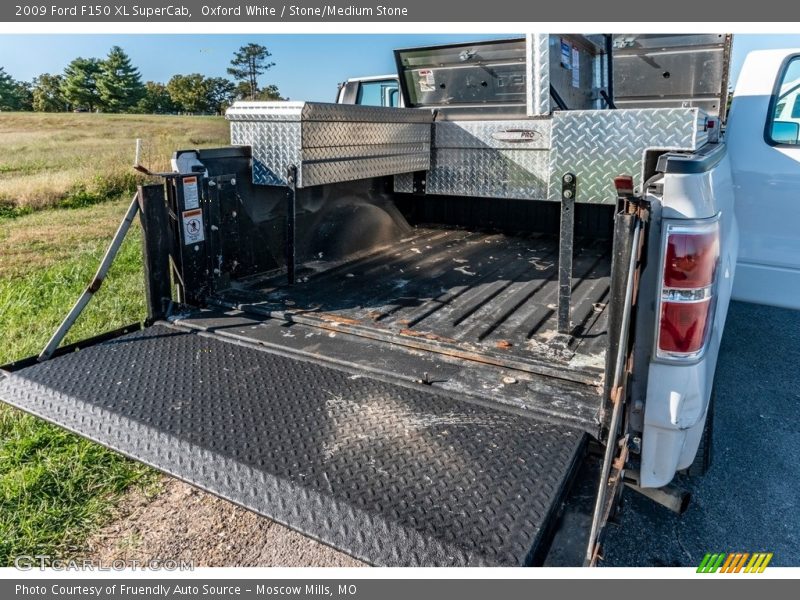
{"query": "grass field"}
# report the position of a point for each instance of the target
(69, 159)
(55, 488)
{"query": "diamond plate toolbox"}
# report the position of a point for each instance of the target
(598, 145)
(329, 143)
(494, 159)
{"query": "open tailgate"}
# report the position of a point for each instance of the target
(390, 473)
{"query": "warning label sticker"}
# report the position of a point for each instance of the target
(566, 55)
(427, 80)
(193, 226)
(576, 68)
(191, 196)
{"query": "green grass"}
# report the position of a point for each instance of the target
(68, 159)
(65, 184)
(55, 488)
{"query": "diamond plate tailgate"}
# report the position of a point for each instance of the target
(392, 474)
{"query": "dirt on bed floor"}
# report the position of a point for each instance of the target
(182, 523)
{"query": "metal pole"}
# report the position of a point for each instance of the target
(616, 392)
(291, 216)
(565, 251)
(95, 284)
(610, 70)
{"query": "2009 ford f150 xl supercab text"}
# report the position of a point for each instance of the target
(419, 333)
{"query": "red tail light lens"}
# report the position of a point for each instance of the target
(683, 326)
(691, 255)
(691, 259)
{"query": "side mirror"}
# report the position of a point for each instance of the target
(786, 132)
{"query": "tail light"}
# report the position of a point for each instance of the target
(691, 256)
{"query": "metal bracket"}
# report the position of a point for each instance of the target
(94, 284)
(565, 248)
(156, 250)
(419, 179)
(291, 217)
(612, 471)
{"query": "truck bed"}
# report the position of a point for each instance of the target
(487, 297)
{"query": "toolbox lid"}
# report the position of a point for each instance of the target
(490, 73)
(671, 70)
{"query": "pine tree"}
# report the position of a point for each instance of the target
(221, 93)
(248, 63)
(119, 83)
(14, 95)
(7, 95)
(80, 83)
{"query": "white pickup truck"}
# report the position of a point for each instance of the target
(419, 323)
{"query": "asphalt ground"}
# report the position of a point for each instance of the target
(749, 501)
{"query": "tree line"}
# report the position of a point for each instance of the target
(114, 85)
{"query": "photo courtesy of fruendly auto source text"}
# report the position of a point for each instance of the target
(305, 299)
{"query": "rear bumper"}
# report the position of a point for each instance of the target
(675, 413)
(666, 451)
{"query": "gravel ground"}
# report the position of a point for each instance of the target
(747, 502)
(184, 523)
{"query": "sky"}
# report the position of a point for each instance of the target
(308, 67)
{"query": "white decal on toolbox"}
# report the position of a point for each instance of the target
(193, 226)
(566, 57)
(576, 67)
(191, 197)
(427, 80)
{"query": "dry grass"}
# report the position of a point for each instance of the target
(45, 238)
(50, 159)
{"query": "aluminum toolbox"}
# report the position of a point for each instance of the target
(525, 158)
(598, 145)
(498, 159)
(329, 143)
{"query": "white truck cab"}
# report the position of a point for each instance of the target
(377, 90)
(764, 148)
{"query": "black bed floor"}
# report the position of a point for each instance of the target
(490, 297)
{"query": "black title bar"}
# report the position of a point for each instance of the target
(397, 11)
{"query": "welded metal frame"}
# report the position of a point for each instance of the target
(538, 93)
